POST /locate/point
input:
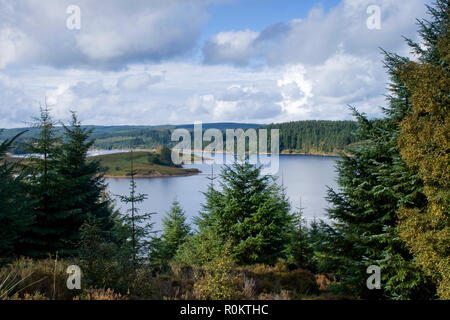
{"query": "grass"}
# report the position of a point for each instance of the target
(46, 279)
(118, 165)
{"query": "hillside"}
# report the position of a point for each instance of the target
(310, 137)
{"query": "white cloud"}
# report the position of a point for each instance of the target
(138, 81)
(295, 90)
(116, 72)
(14, 103)
(236, 46)
(321, 35)
(112, 35)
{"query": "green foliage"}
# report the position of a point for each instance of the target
(81, 179)
(47, 234)
(425, 147)
(15, 206)
(327, 137)
(372, 185)
(175, 232)
(106, 260)
(315, 136)
(162, 156)
(376, 184)
(214, 281)
(199, 249)
(300, 250)
(118, 164)
(65, 189)
(140, 229)
(251, 211)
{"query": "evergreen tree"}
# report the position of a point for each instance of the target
(300, 250)
(176, 230)
(374, 184)
(81, 185)
(47, 234)
(425, 146)
(15, 205)
(251, 211)
(315, 136)
(138, 225)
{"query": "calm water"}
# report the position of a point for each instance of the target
(304, 177)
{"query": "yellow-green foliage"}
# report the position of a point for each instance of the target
(425, 146)
(280, 281)
(214, 279)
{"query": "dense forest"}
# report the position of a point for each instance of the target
(315, 136)
(391, 210)
(327, 137)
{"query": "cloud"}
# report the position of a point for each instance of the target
(89, 90)
(238, 103)
(153, 71)
(112, 34)
(319, 36)
(236, 47)
(138, 81)
(14, 103)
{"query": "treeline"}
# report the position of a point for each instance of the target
(300, 136)
(136, 139)
(315, 136)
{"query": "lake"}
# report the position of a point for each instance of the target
(305, 177)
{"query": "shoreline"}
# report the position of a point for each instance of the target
(320, 154)
(189, 172)
(153, 176)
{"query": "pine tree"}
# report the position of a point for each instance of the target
(374, 184)
(251, 211)
(425, 146)
(138, 225)
(46, 235)
(15, 205)
(176, 230)
(82, 185)
(300, 250)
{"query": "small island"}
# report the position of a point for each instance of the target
(146, 164)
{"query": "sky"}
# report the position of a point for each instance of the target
(151, 62)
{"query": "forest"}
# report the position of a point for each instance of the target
(391, 209)
(315, 137)
(327, 137)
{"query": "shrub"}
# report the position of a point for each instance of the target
(99, 294)
(279, 280)
(36, 279)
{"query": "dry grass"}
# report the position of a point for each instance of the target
(45, 279)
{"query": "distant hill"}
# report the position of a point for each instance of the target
(316, 137)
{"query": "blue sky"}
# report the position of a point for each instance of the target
(257, 14)
(148, 62)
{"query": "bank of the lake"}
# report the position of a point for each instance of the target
(118, 165)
